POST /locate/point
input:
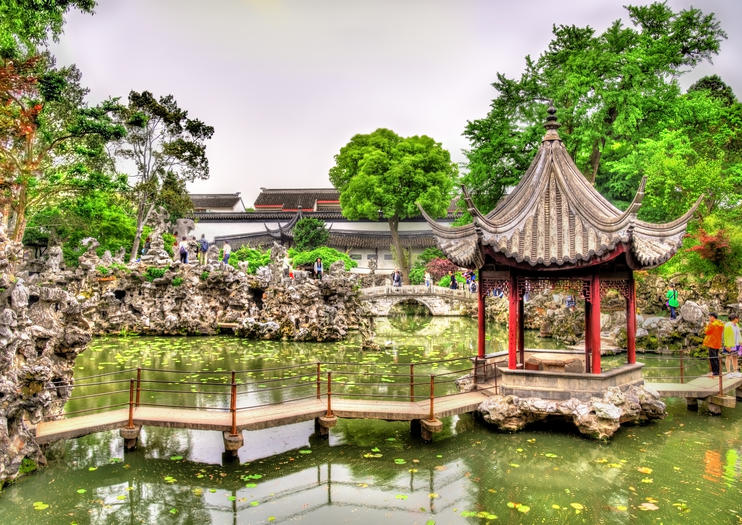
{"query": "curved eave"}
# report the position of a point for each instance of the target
(460, 244)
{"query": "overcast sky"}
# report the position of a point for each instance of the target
(287, 83)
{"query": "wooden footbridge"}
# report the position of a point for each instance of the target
(712, 392)
(231, 402)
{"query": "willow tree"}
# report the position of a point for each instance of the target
(381, 176)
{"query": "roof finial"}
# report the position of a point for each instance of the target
(551, 123)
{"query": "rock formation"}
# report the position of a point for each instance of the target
(41, 332)
(598, 418)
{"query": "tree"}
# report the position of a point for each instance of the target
(382, 175)
(167, 150)
(48, 135)
(612, 91)
(310, 233)
(24, 24)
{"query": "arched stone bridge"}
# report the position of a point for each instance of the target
(440, 301)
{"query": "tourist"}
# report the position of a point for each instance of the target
(428, 281)
(732, 345)
(203, 247)
(146, 246)
(227, 250)
(570, 302)
(454, 284)
(712, 341)
(672, 301)
(183, 250)
(397, 278)
(318, 268)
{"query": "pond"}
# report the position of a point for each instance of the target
(686, 467)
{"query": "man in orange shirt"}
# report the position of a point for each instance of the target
(712, 341)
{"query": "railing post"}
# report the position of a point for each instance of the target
(233, 404)
(721, 388)
(318, 379)
(432, 397)
(412, 382)
(139, 383)
(682, 369)
(131, 404)
(329, 394)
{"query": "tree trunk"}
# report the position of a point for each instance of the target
(142, 215)
(400, 256)
(595, 158)
(19, 225)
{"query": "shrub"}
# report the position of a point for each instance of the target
(440, 267)
(169, 240)
(177, 281)
(152, 273)
(328, 256)
(103, 270)
(310, 233)
(446, 281)
(205, 275)
(255, 258)
(417, 275)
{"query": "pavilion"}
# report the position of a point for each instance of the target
(555, 230)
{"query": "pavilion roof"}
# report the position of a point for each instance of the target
(555, 218)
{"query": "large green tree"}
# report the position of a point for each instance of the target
(381, 175)
(612, 90)
(167, 149)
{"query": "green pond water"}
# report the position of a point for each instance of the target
(685, 468)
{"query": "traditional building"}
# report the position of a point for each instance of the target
(277, 211)
(554, 230)
(217, 202)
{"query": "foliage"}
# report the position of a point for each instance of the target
(417, 272)
(310, 233)
(27, 465)
(26, 24)
(50, 140)
(328, 256)
(384, 176)
(167, 149)
(153, 272)
(417, 275)
(177, 281)
(103, 270)
(204, 275)
(445, 281)
(98, 210)
(169, 240)
(439, 267)
(255, 258)
(613, 90)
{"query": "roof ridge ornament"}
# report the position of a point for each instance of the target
(551, 123)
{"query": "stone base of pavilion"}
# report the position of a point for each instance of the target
(553, 385)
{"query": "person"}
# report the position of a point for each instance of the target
(227, 251)
(570, 301)
(712, 341)
(183, 250)
(203, 247)
(731, 345)
(428, 280)
(318, 268)
(672, 301)
(397, 278)
(472, 285)
(454, 284)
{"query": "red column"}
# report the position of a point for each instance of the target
(480, 318)
(631, 323)
(595, 322)
(521, 331)
(512, 321)
(588, 340)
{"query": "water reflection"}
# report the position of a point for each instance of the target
(686, 467)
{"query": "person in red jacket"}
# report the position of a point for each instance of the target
(712, 341)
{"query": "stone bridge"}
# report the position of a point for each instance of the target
(438, 300)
